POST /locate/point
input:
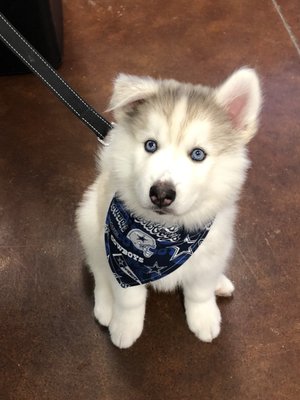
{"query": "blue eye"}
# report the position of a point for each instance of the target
(150, 146)
(198, 155)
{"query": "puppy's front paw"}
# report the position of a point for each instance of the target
(224, 287)
(204, 319)
(103, 307)
(126, 329)
(103, 314)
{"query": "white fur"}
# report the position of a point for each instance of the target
(203, 191)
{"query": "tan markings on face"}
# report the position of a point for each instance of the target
(178, 119)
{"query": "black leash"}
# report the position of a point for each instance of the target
(23, 49)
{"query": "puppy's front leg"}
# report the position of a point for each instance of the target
(128, 314)
(202, 313)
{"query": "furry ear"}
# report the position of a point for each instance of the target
(131, 90)
(240, 96)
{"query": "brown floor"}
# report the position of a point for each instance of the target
(51, 348)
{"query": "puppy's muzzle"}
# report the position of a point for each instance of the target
(162, 194)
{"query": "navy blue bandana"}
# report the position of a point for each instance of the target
(139, 251)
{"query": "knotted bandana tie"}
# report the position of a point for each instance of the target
(140, 251)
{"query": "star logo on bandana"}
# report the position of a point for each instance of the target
(141, 238)
(119, 258)
(188, 240)
(155, 269)
(117, 276)
(177, 253)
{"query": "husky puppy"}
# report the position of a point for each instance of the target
(176, 162)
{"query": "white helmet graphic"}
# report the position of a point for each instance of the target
(142, 241)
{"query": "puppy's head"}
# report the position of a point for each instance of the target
(178, 154)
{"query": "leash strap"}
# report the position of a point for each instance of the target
(29, 55)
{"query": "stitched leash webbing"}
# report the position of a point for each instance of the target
(23, 49)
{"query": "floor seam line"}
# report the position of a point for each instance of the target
(287, 27)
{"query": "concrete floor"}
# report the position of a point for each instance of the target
(50, 345)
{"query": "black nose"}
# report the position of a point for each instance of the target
(162, 194)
